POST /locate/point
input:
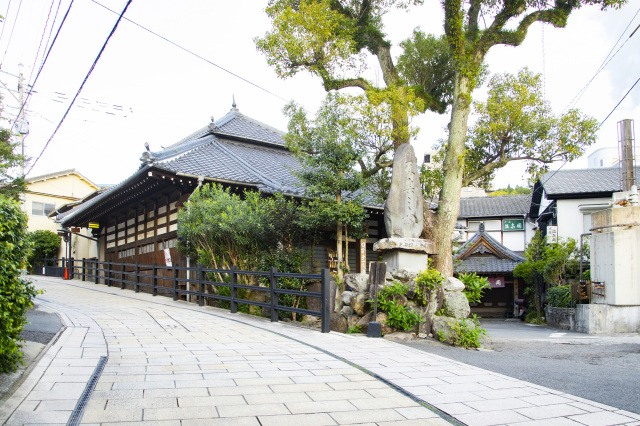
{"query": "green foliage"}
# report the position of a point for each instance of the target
(15, 294)
(220, 229)
(465, 333)
(552, 264)
(428, 281)
(518, 190)
(356, 329)
(474, 286)
(10, 186)
(390, 301)
(517, 123)
(560, 296)
(533, 318)
(45, 244)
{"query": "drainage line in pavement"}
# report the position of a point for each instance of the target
(442, 414)
(76, 415)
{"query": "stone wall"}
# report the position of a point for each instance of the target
(562, 318)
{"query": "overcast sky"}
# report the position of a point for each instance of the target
(144, 89)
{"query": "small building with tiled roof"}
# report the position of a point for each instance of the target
(484, 255)
(137, 219)
(505, 218)
(48, 192)
(567, 198)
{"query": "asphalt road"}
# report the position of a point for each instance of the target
(602, 368)
(41, 325)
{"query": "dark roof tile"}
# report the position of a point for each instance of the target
(499, 205)
(584, 181)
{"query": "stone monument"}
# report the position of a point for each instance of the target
(403, 217)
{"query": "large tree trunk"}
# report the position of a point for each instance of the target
(449, 201)
(399, 115)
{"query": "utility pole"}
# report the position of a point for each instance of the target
(22, 125)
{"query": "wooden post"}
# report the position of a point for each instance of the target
(234, 291)
(273, 284)
(137, 284)
(377, 276)
(84, 269)
(200, 286)
(325, 302)
(96, 277)
(154, 280)
(109, 274)
(175, 284)
(122, 275)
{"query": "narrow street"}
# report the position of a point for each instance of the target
(602, 368)
(131, 357)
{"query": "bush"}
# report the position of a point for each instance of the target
(45, 244)
(560, 296)
(15, 293)
(428, 281)
(474, 286)
(463, 334)
(398, 316)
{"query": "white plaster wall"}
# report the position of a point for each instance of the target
(595, 319)
(514, 240)
(571, 221)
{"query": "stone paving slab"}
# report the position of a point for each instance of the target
(178, 363)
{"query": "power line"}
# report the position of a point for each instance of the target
(194, 54)
(618, 104)
(11, 34)
(26, 99)
(605, 62)
(93, 66)
(44, 30)
(5, 17)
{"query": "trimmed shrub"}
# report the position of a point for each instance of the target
(560, 296)
(45, 244)
(15, 293)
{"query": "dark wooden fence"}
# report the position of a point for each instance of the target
(194, 281)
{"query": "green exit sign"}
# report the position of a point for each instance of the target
(513, 225)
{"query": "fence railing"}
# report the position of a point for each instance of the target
(137, 276)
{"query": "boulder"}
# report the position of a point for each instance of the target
(310, 321)
(399, 336)
(359, 303)
(338, 323)
(453, 284)
(365, 320)
(346, 297)
(382, 319)
(456, 305)
(346, 311)
(353, 320)
(358, 282)
(441, 327)
(402, 275)
(403, 209)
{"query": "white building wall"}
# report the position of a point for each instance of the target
(574, 216)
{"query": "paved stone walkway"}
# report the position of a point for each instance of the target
(174, 363)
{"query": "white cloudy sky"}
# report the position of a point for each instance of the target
(146, 90)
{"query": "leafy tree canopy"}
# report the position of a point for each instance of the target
(518, 190)
(45, 244)
(10, 185)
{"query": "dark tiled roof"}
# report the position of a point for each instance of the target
(241, 162)
(487, 265)
(487, 262)
(499, 205)
(584, 181)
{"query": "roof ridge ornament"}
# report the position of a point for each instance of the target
(212, 125)
(481, 227)
(234, 107)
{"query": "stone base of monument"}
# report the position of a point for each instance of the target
(410, 254)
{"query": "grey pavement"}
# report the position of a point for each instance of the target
(176, 363)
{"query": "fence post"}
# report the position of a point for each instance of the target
(154, 281)
(200, 285)
(72, 262)
(175, 284)
(273, 283)
(122, 275)
(325, 302)
(233, 308)
(137, 285)
(84, 270)
(96, 277)
(109, 280)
